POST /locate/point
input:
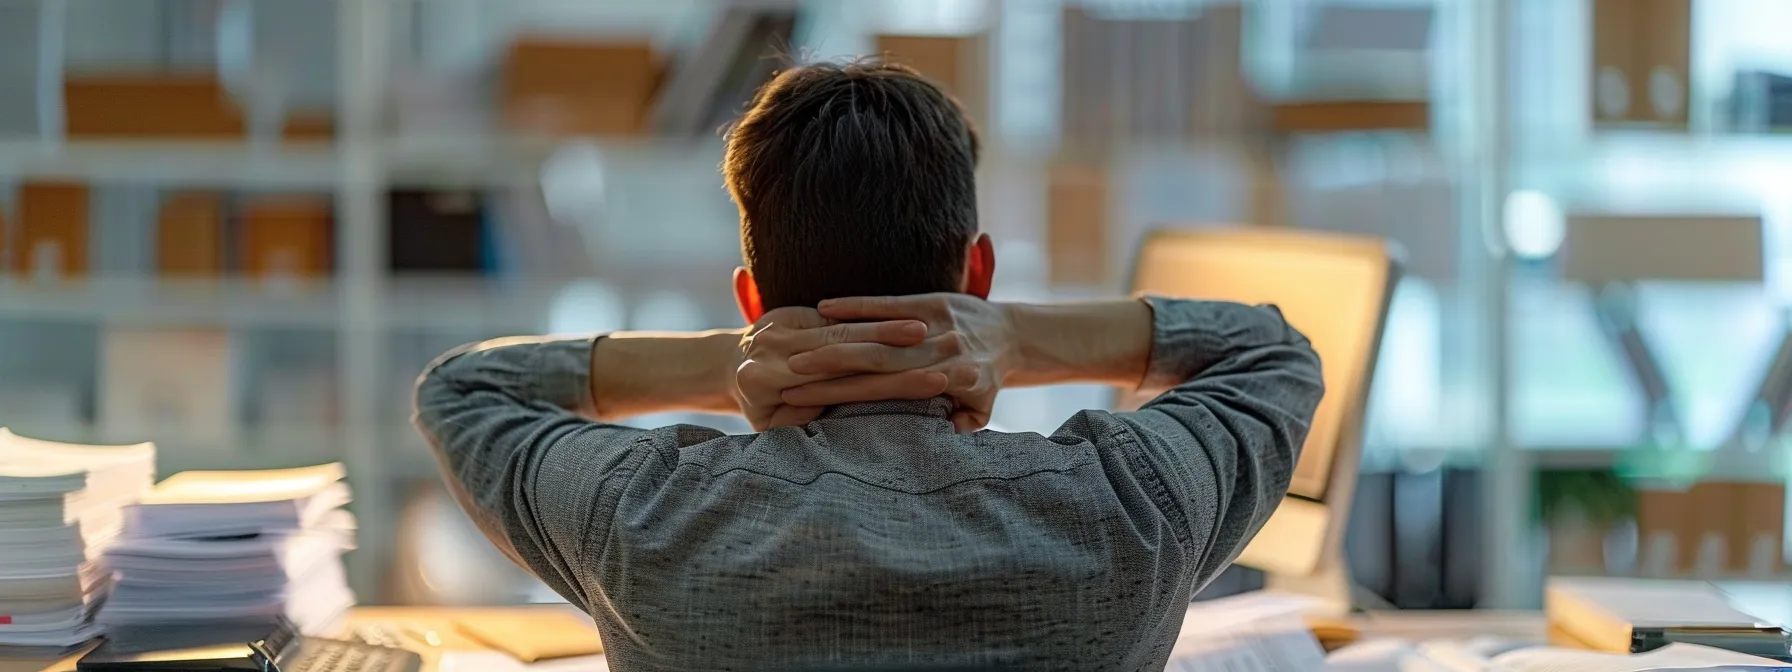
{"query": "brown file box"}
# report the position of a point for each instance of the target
(1327, 116)
(560, 86)
(190, 235)
(1660, 514)
(6, 262)
(169, 105)
(1077, 224)
(149, 106)
(286, 237)
(960, 65)
(53, 230)
(1759, 514)
(1707, 514)
(1642, 58)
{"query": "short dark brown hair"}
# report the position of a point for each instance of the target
(852, 179)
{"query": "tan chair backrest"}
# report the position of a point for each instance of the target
(1334, 287)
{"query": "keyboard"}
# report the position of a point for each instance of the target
(329, 655)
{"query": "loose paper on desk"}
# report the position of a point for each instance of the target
(1255, 632)
(496, 661)
(1467, 656)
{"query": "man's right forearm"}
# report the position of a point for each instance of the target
(1105, 342)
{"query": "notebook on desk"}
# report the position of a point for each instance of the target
(1635, 616)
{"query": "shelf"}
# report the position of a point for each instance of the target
(459, 161)
(197, 163)
(475, 304)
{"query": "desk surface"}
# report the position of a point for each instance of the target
(1407, 625)
(439, 620)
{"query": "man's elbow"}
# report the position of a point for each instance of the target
(439, 388)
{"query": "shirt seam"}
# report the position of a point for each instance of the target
(1157, 490)
(1062, 470)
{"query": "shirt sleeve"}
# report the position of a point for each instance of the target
(509, 423)
(1221, 443)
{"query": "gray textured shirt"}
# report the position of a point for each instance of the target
(876, 537)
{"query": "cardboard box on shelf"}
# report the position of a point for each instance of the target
(959, 64)
(1759, 522)
(566, 86)
(149, 106)
(1642, 57)
(286, 238)
(53, 230)
(1712, 529)
(190, 235)
(168, 106)
(1659, 516)
(1324, 116)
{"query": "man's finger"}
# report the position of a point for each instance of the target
(877, 307)
(899, 333)
(871, 387)
(846, 358)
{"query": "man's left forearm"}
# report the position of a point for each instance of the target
(636, 373)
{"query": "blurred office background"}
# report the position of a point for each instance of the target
(240, 228)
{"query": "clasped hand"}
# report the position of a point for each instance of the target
(798, 361)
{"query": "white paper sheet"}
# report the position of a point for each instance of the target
(493, 661)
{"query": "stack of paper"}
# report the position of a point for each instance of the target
(235, 545)
(60, 506)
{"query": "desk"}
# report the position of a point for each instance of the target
(437, 619)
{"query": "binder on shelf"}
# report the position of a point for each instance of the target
(436, 231)
(1642, 57)
(286, 238)
(53, 230)
(190, 235)
(959, 64)
(566, 86)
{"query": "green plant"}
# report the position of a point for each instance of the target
(1602, 496)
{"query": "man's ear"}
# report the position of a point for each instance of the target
(746, 295)
(980, 267)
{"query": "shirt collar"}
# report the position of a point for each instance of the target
(937, 407)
